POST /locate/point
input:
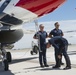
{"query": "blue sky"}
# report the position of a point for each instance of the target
(66, 11)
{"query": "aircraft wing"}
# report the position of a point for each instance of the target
(15, 12)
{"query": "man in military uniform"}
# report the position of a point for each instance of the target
(56, 32)
(41, 35)
(61, 45)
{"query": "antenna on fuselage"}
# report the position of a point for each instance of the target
(36, 25)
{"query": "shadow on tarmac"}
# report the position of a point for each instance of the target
(36, 67)
(2, 72)
(22, 59)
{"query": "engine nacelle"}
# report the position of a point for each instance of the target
(10, 36)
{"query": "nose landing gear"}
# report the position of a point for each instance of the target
(5, 57)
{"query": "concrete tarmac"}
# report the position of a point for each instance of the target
(24, 63)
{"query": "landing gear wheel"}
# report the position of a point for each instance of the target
(9, 58)
(35, 49)
(6, 65)
(31, 52)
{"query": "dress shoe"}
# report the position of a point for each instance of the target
(41, 65)
(62, 63)
(55, 66)
(46, 65)
(66, 68)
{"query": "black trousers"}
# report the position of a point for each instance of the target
(67, 59)
(64, 52)
(42, 56)
(57, 60)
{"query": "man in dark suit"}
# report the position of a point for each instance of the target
(61, 45)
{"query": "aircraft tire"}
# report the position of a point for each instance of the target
(6, 66)
(31, 52)
(35, 49)
(9, 58)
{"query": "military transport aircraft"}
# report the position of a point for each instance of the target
(16, 12)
